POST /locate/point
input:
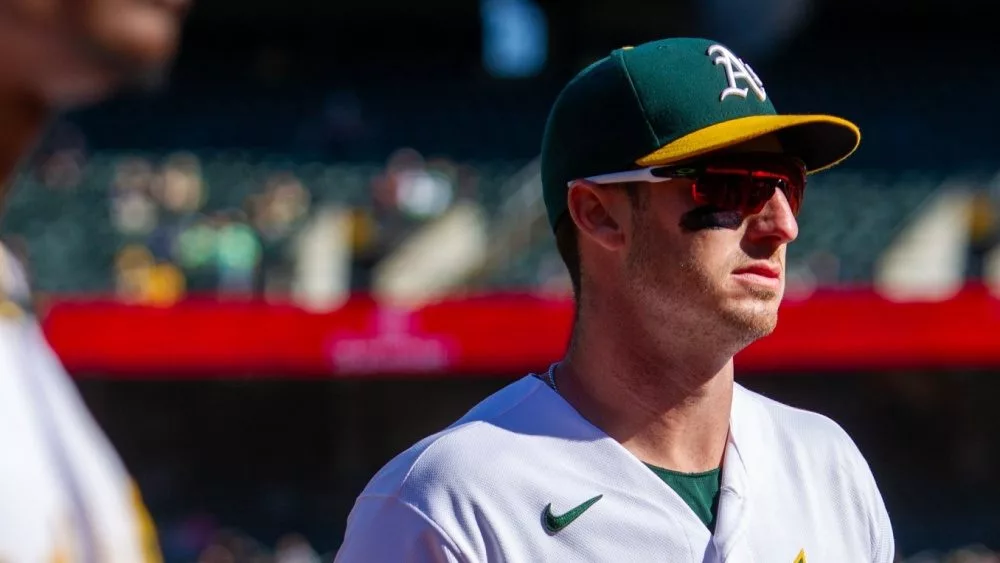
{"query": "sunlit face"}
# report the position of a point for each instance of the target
(718, 272)
(72, 51)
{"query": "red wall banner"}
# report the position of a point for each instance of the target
(490, 334)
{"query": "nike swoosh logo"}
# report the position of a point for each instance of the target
(554, 524)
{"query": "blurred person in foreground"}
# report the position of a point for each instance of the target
(64, 493)
(672, 186)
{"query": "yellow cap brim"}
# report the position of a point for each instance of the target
(821, 141)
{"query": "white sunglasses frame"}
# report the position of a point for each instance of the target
(644, 175)
(637, 175)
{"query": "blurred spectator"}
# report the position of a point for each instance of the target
(196, 244)
(283, 205)
(276, 215)
(969, 554)
(133, 174)
(365, 249)
(162, 242)
(181, 188)
(142, 279)
(132, 266)
(59, 163)
(422, 191)
(134, 213)
(133, 210)
(165, 284)
(982, 231)
(294, 548)
(195, 252)
(374, 230)
(363, 230)
(402, 197)
(239, 255)
(216, 553)
(385, 205)
(234, 547)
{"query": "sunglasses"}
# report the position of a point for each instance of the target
(742, 182)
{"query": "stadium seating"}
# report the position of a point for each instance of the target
(71, 239)
(854, 216)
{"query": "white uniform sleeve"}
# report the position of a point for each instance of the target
(386, 529)
(883, 544)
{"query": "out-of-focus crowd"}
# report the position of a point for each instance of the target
(174, 246)
(232, 546)
(184, 223)
(968, 554)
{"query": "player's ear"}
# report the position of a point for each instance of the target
(600, 213)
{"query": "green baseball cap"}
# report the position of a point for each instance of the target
(668, 101)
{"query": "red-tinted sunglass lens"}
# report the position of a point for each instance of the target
(794, 191)
(728, 192)
(746, 191)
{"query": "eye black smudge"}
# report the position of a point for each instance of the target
(709, 217)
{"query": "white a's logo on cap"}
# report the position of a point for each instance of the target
(736, 69)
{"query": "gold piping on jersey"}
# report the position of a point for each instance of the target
(148, 542)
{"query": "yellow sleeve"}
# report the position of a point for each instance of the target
(148, 542)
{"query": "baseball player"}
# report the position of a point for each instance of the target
(672, 186)
(64, 494)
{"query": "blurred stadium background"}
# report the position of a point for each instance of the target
(325, 239)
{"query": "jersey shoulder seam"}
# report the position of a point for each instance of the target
(396, 495)
(455, 431)
(420, 513)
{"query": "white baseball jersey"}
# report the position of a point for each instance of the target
(64, 494)
(794, 489)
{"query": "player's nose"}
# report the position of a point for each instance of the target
(775, 222)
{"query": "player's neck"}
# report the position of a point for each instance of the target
(667, 403)
(22, 122)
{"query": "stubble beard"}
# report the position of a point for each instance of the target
(756, 320)
(691, 301)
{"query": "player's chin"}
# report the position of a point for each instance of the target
(753, 318)
(748, 328)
